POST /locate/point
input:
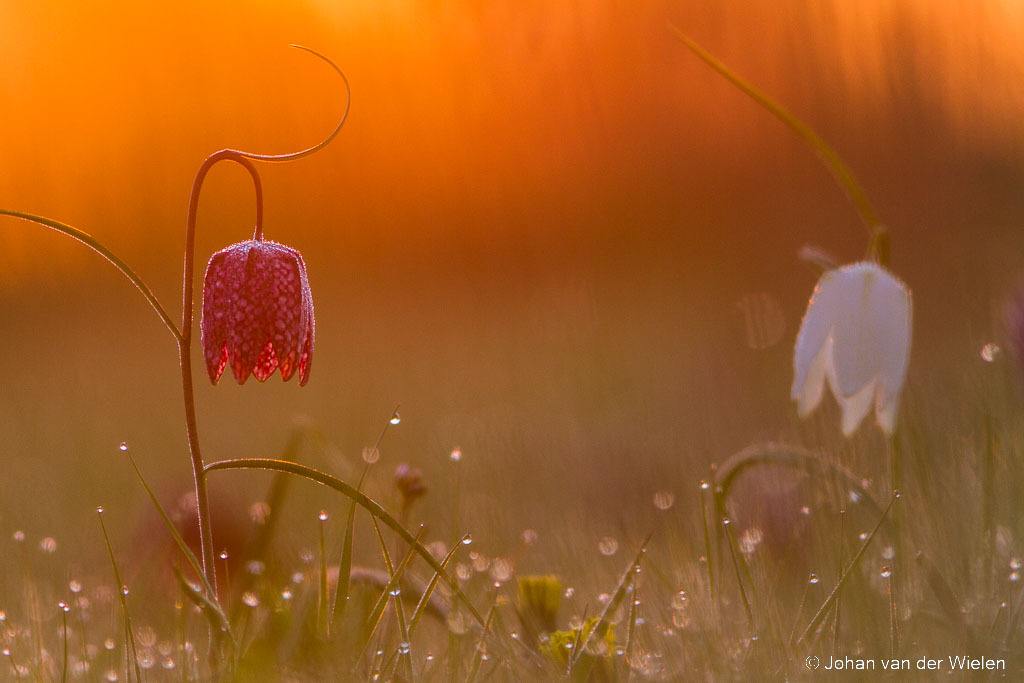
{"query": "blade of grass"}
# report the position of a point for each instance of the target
(178, 540)
(823, 610)
(373, 621)
(481, 644)
(94, 244)
(425, 598)
(130, 634)
(601, 629)
(359, 497)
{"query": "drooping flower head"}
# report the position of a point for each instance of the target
(257, 312)
(855, 336)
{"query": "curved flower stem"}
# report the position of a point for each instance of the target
(91, 242)
(878, 244)
(185, 337)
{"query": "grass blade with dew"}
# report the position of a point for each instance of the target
(823, 610)
(480, 651)
(601, 629)
(704, 486)
(736, 561)
(341, 589)
(425, 599)
(360, 498)
(373, 621)
(322, 617)
(178, 540)
(121, 590)
(64, 641)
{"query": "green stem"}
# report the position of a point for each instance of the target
(878, 246)
(185, 339)
(91, 242)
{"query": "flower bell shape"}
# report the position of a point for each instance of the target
(855, 336)
(257, 312)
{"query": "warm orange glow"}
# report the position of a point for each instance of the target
(526, 120)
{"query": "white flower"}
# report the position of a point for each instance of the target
(855, 335)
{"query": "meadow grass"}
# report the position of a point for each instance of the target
(784, 550)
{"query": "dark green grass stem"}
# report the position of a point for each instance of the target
(130, 634)
(360, 498)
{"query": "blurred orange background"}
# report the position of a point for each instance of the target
(536, 231)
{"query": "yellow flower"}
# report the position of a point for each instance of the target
(855, 335)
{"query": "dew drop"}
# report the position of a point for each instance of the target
(63, 606)
(395, 592)
(99, 509)
(75, 586)
(124, 446)
(467, 539)
(322, 516)
(110, 675)
(6, 652)
(224, 554)
(813, 580)
(124, 590)
(805, 510)
(430, 657)
(569, 592)
(108, 643)
(608, 546)
(990, 351)
(604, 598)
(286, 594)
(168, 663)
(403, 648)
(250, 599)
(395, 418)
(886, 572)
(1015, 563)
(456, 454)
(704, 485)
